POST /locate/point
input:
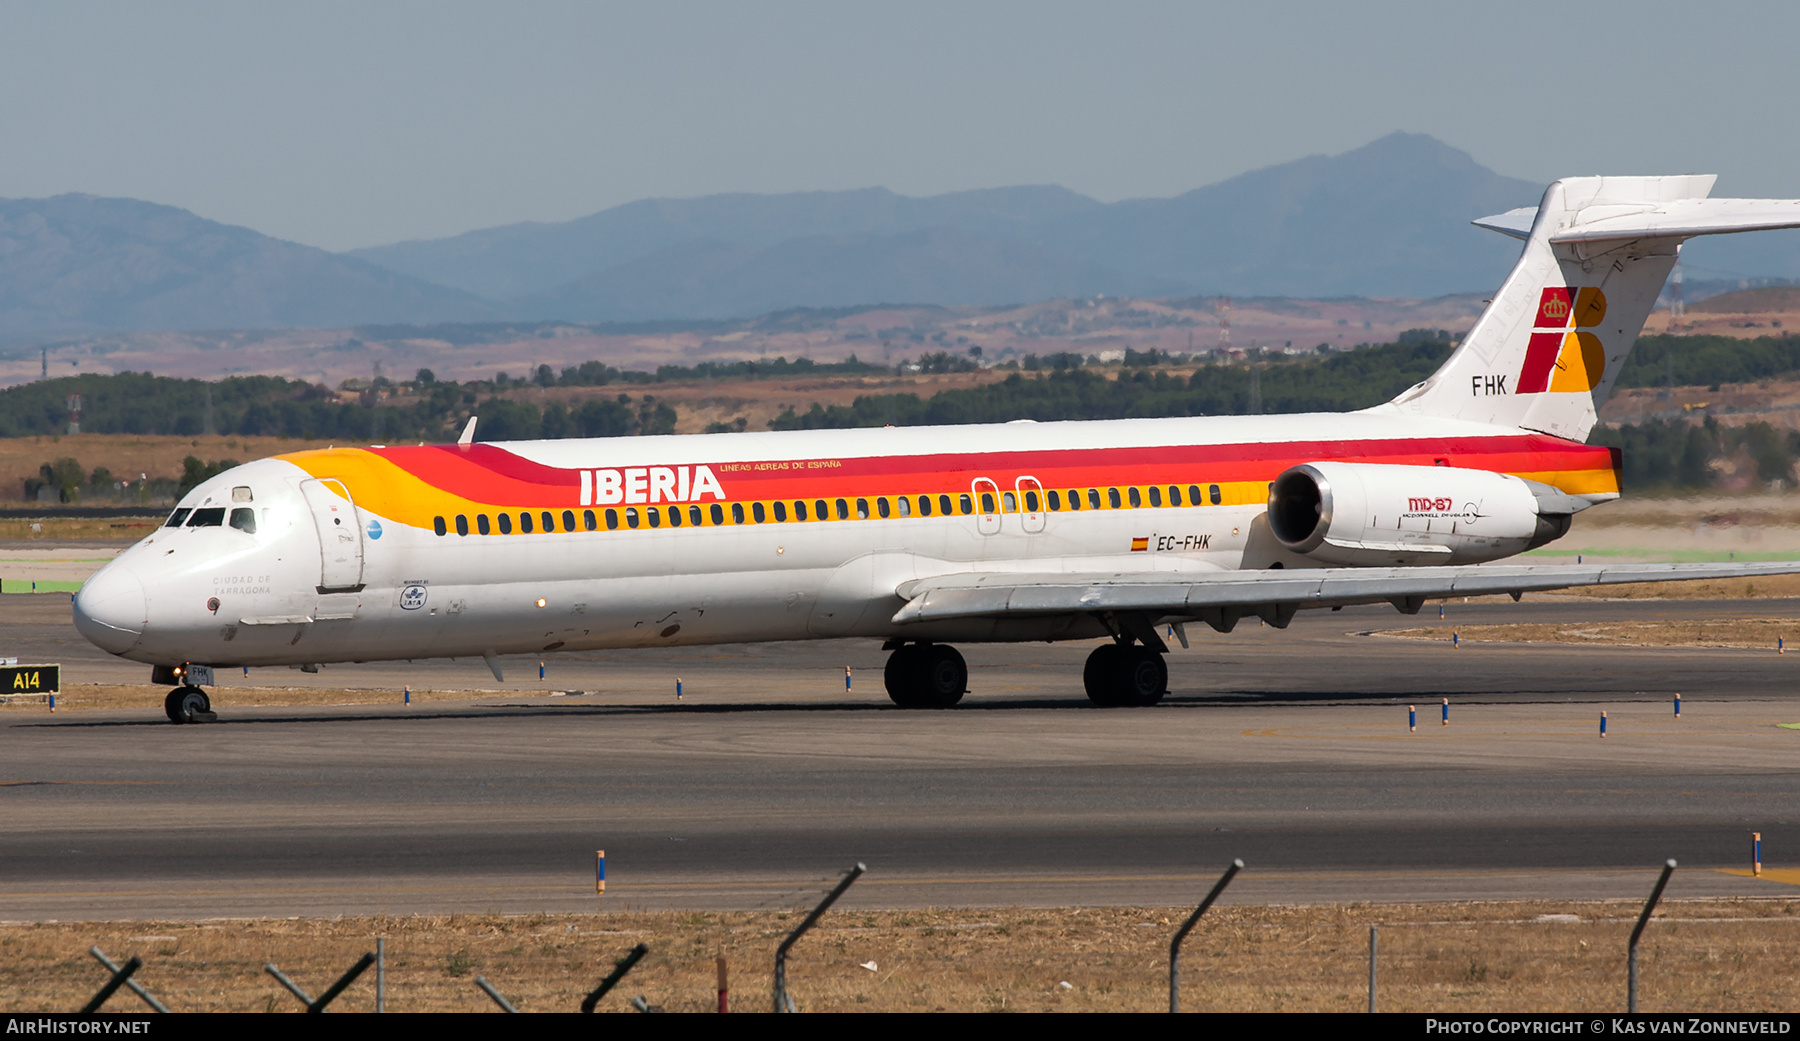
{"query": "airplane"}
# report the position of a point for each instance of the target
(926, 537)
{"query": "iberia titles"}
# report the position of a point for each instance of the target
(647, 484)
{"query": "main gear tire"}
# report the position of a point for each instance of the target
(926, 676)
(1118, 676)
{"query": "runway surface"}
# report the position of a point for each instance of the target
(1288, 749)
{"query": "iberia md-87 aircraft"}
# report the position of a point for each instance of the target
(926, 537)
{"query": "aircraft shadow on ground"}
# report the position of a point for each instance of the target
(1178, 702)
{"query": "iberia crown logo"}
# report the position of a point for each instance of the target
(1556, 308)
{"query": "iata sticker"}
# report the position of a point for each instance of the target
(412, 598)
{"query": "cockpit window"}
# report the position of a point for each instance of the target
(244, 519)
(207, 517)
(178, 516)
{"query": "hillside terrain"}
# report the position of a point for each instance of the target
(888, 336)
(73, 264)
(1390, 218)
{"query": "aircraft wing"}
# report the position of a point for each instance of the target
(1273, 594)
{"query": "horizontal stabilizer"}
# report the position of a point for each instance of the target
(1677, 218)
(992, 595)
(1685, 218)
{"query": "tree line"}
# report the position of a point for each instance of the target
(1061, 386)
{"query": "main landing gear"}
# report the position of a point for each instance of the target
(926, 675)
(188, 704)
(1121, 675)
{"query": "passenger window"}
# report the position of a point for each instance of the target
(944, 505)
(737, 513)
(822, 510)
(1212, 492)
(481, 523)
(881, 506)
(525, 523)
(1174, 495)
(843, 510)
(780, 511)
(799, 509)
(568, 520)
(1112, 497)
(904, 505)
(437, 525)
(965, 504)
(549, 520)
(718, 514)
(1136, 499)
(612, 520)
(1011, 501)
(674, 516)
(1074, 499)
(694, 517)
(1031, 502)
(924, 505)
(654, 516)
(462, 524)
(1055, 500)
(756, 510)
(244, 519)
(178, 516)
(1194, 494)
(587, 520)
(1094, 498)
(506, 523)
(862, 509)
(1155, 495)
(987, 502)
(631, 517)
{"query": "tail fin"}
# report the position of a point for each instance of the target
(1545, 353)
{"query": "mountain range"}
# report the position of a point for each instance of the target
(1387, 219)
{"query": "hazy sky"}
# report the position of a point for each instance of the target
(344, 125)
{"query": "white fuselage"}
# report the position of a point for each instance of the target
(221, 595)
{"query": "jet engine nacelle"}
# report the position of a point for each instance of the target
(1376, 514)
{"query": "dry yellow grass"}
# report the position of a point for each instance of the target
(1698, 956)
(1758, 633)
(128, 455)
(62, 530)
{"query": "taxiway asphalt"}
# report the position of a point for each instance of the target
(1288, 749)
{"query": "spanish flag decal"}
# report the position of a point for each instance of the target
(1140, 545)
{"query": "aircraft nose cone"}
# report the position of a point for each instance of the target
(110, 609)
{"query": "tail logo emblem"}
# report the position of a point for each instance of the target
(1559, 359)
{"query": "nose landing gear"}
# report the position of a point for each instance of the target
(188, 704)
(926, 675)
(1121, 675)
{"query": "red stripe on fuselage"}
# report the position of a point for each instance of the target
(486, 473)
(490, 474)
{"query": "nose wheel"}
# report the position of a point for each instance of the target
(926, 676)
(1125, 675)
(188, 705)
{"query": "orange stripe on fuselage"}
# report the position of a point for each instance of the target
(413, 485)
